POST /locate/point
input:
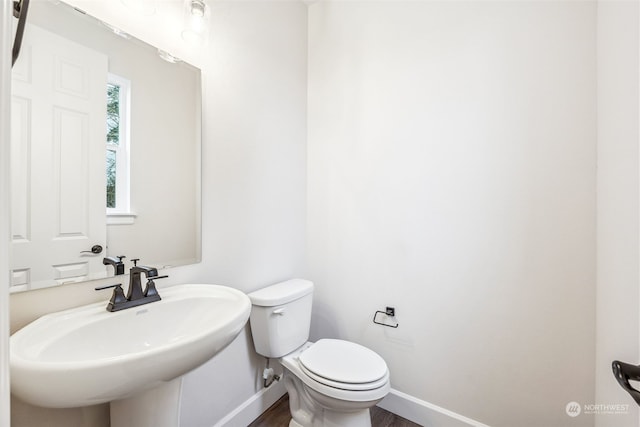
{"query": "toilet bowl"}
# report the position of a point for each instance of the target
(336, 382)
(330, 382)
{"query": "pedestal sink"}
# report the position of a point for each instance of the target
(87, 355)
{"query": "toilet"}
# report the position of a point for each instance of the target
(330, 382)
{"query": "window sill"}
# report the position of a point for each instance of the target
(121, 218)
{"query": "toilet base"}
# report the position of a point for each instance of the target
(334, 419)
(310, 409)
(351, 419)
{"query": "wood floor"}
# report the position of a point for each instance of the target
(278, 416)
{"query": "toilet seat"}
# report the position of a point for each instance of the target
(344, 365)
(337, 390)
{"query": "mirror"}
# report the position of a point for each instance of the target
(106, 140)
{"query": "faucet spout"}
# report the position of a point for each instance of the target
(135, 284)
(116, 262)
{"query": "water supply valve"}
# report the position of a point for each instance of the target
(269, 376)
(267, 373)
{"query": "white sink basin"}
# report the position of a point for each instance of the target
(87, 355)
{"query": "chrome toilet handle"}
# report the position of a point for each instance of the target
(279, 311)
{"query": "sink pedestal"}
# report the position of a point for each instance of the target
(156, 407)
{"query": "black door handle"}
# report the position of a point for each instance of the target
(625, 372)
(95, 249)
(20, 8)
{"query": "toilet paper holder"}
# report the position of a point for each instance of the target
(389, 312)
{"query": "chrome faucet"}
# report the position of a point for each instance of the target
(135, 295)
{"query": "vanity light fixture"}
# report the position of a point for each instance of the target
(196, 14)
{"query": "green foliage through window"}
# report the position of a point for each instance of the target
(113, 114)
(111, 179)
(113, 139)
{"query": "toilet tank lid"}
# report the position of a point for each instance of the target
(281, 293)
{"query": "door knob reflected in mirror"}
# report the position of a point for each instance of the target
(95, 249)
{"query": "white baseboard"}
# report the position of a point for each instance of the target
(251, 408)
(424, 413)
(420, 412)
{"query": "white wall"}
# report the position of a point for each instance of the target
(253, 184)
(452, 175)
(617, 335)
(253, 178)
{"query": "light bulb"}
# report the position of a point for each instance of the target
(195, 21)
(197, 8)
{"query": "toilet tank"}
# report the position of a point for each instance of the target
(281, 317)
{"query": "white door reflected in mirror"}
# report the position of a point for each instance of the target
(55, 126)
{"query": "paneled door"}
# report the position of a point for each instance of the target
(58, 133)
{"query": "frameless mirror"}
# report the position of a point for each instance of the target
(105, 151)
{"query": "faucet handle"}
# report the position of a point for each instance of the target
(100, 288)
(116, 298)
(120, 257)
(157, 277)
(135, 261)
(151, 291)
